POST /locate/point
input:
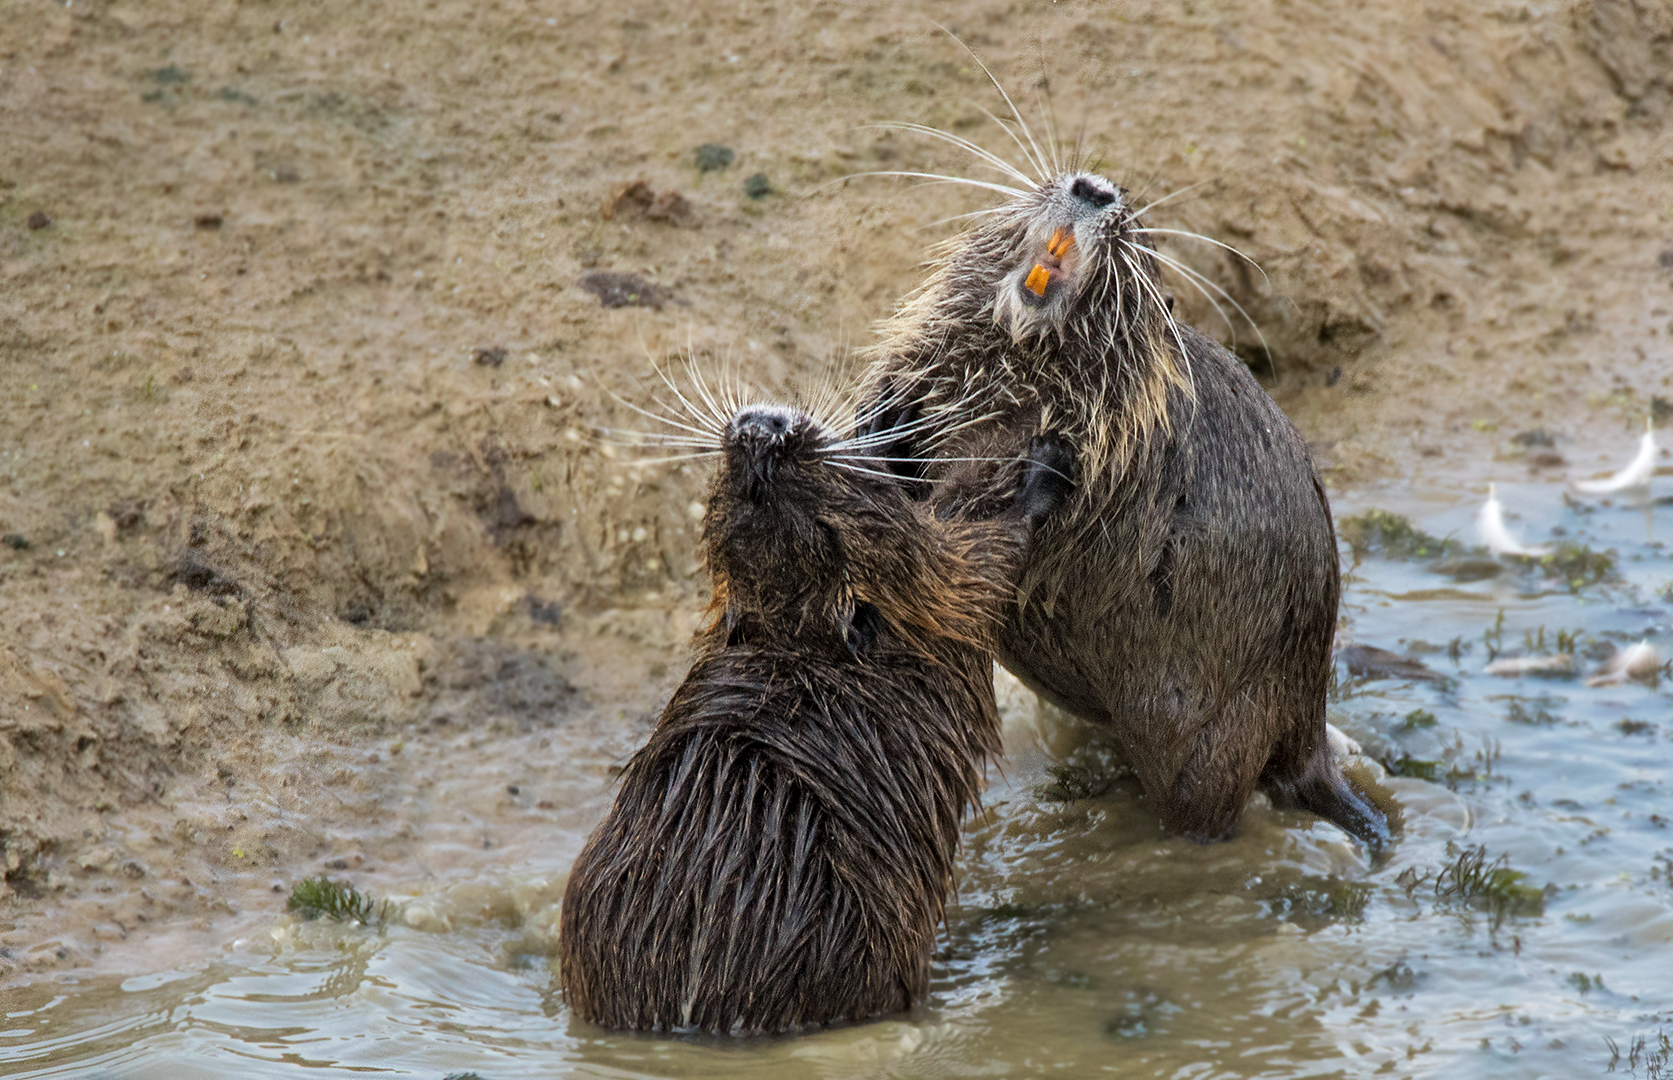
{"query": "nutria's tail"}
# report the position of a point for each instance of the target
(1305, 772)
(1323, 790)
(1338, 802)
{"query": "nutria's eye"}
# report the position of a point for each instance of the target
(1086, 191)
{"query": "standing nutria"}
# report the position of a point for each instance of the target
(779, 853)
(1186, 595)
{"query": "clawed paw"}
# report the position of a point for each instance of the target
(885, 426)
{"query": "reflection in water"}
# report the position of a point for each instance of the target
(1084, 940)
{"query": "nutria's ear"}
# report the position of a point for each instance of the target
(860, 624)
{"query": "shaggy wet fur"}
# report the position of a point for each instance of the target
(1186, 595)
(780, 852)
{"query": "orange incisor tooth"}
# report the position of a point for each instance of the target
(1061, 241)
(1038, 279)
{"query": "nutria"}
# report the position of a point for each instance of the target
(1186, 594)
(779, 853)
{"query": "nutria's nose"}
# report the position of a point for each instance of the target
(1088, 190)
(762, 422)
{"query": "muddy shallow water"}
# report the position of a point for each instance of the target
(1083, 940)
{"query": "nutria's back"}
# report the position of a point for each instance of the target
(779, 853)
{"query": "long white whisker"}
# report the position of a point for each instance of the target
(877, 438)
(861, 469)
(1209, 240)
(871, 410)
(1038, 166)
(947, 433)
(705, 424)
(659, 418)
(672, 458)
(871, 414)
(1047, 110)
(1153, 204)
(716, 402)
(1167, 316)
(988, 156)
(961, 217)
(702, 385)
(731, 391)
(1038, 158)
(1229, 299)
(1196, 281)
(629, 437)
(691, 410)
(937, 178)
(913, 460)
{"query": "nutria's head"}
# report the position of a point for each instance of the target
(1070, 262)
(1052, 306)
(795, 526)
(1063, 265)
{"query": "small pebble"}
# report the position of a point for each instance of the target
(713, 156)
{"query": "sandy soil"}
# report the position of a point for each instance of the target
(305, 513)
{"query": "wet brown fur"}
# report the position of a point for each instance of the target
(779, 853)
(1186, 595)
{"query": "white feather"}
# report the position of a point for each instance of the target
(1636, 474)
(1516, 666)
(1640, 662)
(1490, 526)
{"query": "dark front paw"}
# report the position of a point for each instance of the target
(1048, 478)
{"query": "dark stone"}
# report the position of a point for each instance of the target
(621, 290)
(758, 186)
(713, 156)
(544, 612)
(127, 513)
(193, 572)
